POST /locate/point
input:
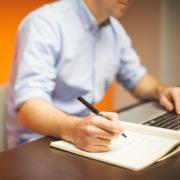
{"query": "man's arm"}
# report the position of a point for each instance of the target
(151, 88)
(92, 133)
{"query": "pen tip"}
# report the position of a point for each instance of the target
(124, 135)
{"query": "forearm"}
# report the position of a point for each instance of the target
(44, 118)
(91, 133)
(148, 88)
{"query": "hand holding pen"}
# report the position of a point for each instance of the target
(94, 110)
(95, 133)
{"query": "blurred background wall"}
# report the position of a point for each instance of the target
(11, 13)
(154, 27)
(170, 42)
(143, 24)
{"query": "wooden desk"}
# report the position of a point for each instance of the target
(36, 160)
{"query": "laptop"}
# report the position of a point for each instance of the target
(151, 114)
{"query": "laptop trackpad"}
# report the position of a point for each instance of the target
(142, 113)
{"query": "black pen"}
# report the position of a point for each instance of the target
(94, 110)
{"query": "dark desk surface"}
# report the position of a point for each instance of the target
(36, 160)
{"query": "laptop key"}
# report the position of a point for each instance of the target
(169, 120)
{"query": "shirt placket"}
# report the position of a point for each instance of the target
(97, 86)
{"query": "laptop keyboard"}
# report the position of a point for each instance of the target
(169, 120)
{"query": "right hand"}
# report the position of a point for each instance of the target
(94, 133)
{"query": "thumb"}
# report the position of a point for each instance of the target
(110, 115)
(166, 103)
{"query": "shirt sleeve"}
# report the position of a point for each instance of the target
(131, 70)
(38, 46)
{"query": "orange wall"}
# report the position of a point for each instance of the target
(11, 13)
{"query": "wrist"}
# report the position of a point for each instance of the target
(159, 90)
(68, 132)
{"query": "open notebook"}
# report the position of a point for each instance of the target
(143, 146)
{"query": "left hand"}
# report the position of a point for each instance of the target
(169, 97)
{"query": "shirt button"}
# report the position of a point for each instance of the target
(86, 26)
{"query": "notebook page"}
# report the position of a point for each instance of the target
(173, 152)
(135, 152)
(156, 131)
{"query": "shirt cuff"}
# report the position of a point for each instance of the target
(131, 84)
(22, 97)
(135, 80)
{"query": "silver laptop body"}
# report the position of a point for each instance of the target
(144, 113)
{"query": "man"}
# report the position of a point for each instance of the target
(71, 48)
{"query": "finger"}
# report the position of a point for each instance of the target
(94, 144)
(111, 115)
(96, 148)
(176, 99)
(103, 123)
(166, 103)
(101, 142)
(93, 131)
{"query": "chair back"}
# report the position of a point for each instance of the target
(3, 108)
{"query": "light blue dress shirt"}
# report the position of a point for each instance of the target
(61, 54)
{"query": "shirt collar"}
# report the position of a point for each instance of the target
(87, 17)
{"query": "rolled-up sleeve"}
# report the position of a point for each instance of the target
(38, 46)
(131, 70)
